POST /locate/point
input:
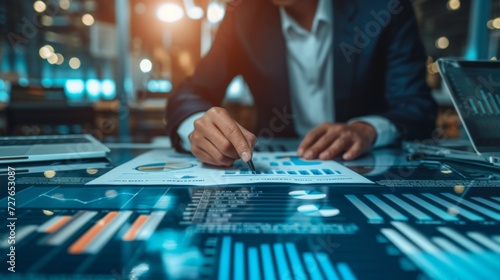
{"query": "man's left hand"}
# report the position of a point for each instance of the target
(330, 140)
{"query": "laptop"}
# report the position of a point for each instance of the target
(49, 148)
(474, 88)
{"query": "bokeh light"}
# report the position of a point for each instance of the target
(215, 12)
(74, 63)
(442, 43)
(88, 19)
(39, 6)
(170, 12)
(146, 65)
(453, 5)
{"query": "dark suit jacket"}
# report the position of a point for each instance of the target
(379, 68)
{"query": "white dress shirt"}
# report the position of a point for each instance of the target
(310, 72)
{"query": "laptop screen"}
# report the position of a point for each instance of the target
(475, 90)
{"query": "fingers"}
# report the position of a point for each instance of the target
(209, 158)
(310, 139)
(354, 151)
(231, 132)
(340, 145)
(251, 138)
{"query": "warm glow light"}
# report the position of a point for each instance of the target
(489, 24)
(92, 171)
(64, 4)
(215, 12)
(195, 13)
(45, 51)
(47, 21)
(170, 12)
(74, 63)
(39, 6)
(60, 59)
(88, 19)
(146, 65)
(49, 174)
(140, 8)
(47, 212)
(52, 59)
(442, 43)
(496, 23)
(453, 5)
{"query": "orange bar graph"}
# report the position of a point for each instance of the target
(58, 224)
(136, 226)
(79, 246)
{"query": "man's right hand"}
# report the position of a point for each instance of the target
(218, 140)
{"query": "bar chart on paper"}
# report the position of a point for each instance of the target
(158, 168)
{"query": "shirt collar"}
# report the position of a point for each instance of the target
(324, 13)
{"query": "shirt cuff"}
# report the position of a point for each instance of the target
(186, 128)
(386, 130)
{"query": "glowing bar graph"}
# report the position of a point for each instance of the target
(253, 261)
(409, 208)
(312, 267)
(473, 105)
(481, 106)
(463, 258)
(107, 233)
(494, 103)
(150, 225)
(225, 258)
(474, 206)
(365, 209)
(79, 246)
(267, 262)
(429, 267)
(486, 202)
(481, 254)
(239, 261)
(461, 211)
(345, 271)
(426, 205)
(71, 227)
(487, 102)
(485, 241)
(393, 213)
(131, 234)
(297, 268)
(54, 224)
(283, 270)
(327, 266)
(433, 252)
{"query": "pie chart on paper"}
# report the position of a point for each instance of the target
(307, 194)
(318, 211)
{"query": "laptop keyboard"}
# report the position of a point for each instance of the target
(29, 142)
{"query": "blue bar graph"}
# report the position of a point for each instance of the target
(253, 264)
(393, 213)
(283, 270)
(480, 209)
(461, 211)
(267, 262)
(316, 172)
(312, 266)
(225, 258)
(365, 209)
(328, 171)
(481, 106)
(297, 268)
(473, 105)
(409, 208)
(494, 103)
(327, 266)
(438, 212)
(491, 204)
(239, 261)
(345, 271)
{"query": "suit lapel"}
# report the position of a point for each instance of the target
(343, 71)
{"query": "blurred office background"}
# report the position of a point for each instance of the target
(107, 67)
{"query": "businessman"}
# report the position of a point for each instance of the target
(346, 75)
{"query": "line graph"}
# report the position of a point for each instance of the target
(96, 198)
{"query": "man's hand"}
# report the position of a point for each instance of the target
(330, 140)
(218, 140)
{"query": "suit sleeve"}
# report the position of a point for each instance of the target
(411, 107)
(207, 87)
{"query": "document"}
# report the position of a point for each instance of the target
(165, 167)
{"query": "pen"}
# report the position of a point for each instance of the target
(252, 167)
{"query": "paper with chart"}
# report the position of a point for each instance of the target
(164, 167)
